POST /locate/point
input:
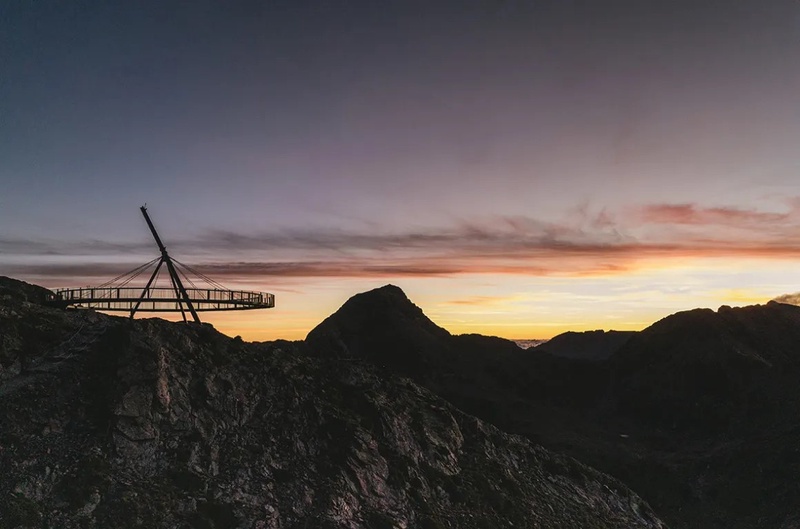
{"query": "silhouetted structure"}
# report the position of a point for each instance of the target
(116, 295)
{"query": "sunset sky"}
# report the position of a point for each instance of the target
(519, 168)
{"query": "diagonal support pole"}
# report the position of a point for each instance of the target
(173, 274)
(179, 298)
(146, 288)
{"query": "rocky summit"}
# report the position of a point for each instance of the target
(113, 423)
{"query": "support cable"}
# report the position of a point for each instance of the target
(181, 270)
(201, 275)
(197, 290)
(108, 283)
(134, 276)
(108, 287)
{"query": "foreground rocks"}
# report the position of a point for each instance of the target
(112, 423)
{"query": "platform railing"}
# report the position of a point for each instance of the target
(159, 299)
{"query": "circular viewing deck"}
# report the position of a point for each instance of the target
(118, 295)
(125, 299)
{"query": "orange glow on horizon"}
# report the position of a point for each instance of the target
(527, 307)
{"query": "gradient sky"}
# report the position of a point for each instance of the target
(519, 168)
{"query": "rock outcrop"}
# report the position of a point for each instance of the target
(115, 423)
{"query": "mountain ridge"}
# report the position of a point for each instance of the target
(111, 422)
(695, 412)
(667, 412)
(585, 345)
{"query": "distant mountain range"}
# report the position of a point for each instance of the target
(527, 344)
(588, 345)
(380, 418)
(698, 413)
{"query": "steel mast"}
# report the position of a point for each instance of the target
(177, 284)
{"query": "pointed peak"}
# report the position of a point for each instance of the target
(386, 305)
(382, 325)
(388, 301)
(386, 291)
(388, 288)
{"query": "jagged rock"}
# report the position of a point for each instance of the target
(117, 423)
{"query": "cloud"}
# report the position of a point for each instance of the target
(482, 301)
(790, 299)
(585, 243)
(79, 271)
(28, 247)
(692, 214)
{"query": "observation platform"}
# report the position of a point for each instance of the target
(127, 299)
(117, 295)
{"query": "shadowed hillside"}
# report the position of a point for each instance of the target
(109, 422)
(169, 425)
(724, 372)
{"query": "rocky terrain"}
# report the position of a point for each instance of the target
(381, 418)
(697, 413)
(712, 400)
(108, 422)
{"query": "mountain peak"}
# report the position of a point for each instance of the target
(387, 289)
(385, 296)
(383, 326)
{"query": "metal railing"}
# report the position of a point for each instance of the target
(159, 299)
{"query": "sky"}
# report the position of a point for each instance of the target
(519, 168)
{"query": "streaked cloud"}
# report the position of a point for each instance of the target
(585, 243)
(481, 301)
(27, 247)
(692, 214)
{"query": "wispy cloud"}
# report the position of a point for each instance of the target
(791, 299)
(482, 301)
(586, 243)
(718, 216)
(27, 247)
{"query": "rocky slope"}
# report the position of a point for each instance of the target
(113, 423)
(711, 399)
(705, 371)
(698, 413)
